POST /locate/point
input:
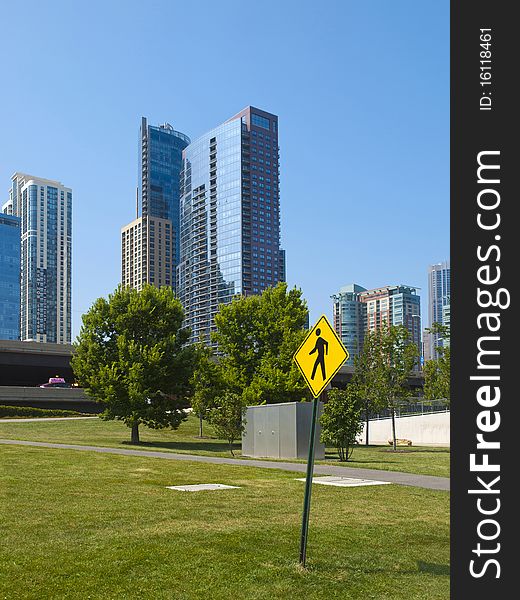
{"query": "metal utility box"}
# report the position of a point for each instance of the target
(280, 431)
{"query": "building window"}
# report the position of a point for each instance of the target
(259, 121)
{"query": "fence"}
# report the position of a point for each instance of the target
(415, 406)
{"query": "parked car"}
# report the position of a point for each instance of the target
(56, 382)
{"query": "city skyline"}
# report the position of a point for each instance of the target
(143, 213)
(381, 141)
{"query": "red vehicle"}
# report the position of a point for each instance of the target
(56, 382)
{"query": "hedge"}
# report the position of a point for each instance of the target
(29, 411)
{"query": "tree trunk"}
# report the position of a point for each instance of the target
(366, 428)
(200, 425)
(393, 429)
(135, 433)
(231, 447)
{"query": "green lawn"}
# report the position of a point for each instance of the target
(80, 525)
(95, 432)
(421, 459)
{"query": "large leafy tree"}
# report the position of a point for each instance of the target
(437, 372)
(257, 337)
(131, 356)
(341, 421)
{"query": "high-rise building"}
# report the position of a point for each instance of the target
(229, 217)
(439, 291)
(9, 276)
(157, 260)
(349, 319)
(155, 257)
(446, 313)
(45, 210)
(358, 310)
(131, 254)
(394, 305)
(426, 345)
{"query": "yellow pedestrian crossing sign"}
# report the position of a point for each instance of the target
(320, 356)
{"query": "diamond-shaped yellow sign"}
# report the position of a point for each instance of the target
(320, 356)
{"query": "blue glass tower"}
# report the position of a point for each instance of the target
(349, 319)
(160, 162)
(9, 277)
(229, 217)
(439, 292)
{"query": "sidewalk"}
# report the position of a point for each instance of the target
(424, 481)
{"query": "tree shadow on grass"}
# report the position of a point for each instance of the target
(406, 449)
(433, 568)
(423, 450)
(197, 445)
(354, 461)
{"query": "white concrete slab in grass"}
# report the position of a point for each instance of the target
(200, 487)
(344, 481)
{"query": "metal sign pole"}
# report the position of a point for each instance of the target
(308, 485)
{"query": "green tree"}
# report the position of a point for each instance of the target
(207, 383)
(227, 418)
(437, 373)
(257, 337)
(131, 357)
(341, 420)
(364, 365)
(394, 356)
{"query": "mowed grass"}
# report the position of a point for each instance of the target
(84, 525)
(423, 460)
(95, 432)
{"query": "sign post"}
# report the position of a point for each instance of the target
(321, 348)
(308, 485)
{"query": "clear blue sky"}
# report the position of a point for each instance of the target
(361, 90)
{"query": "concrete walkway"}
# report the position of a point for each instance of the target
(424, 481)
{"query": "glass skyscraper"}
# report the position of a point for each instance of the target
(153, 254)
(349, 319)
(229, 217)
(9, 277)
(439, 292)
(45, 211)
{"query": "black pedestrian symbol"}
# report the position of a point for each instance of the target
(322, 348)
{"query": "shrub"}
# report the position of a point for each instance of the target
(341, 420)
(30, 411)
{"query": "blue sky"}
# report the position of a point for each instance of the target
(362, 94)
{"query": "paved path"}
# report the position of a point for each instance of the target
(38, 419)
(424, 481)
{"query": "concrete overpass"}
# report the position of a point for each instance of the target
(26, 365)
(32, 363)
(344, 376)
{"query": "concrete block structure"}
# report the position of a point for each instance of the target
(280, 431)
